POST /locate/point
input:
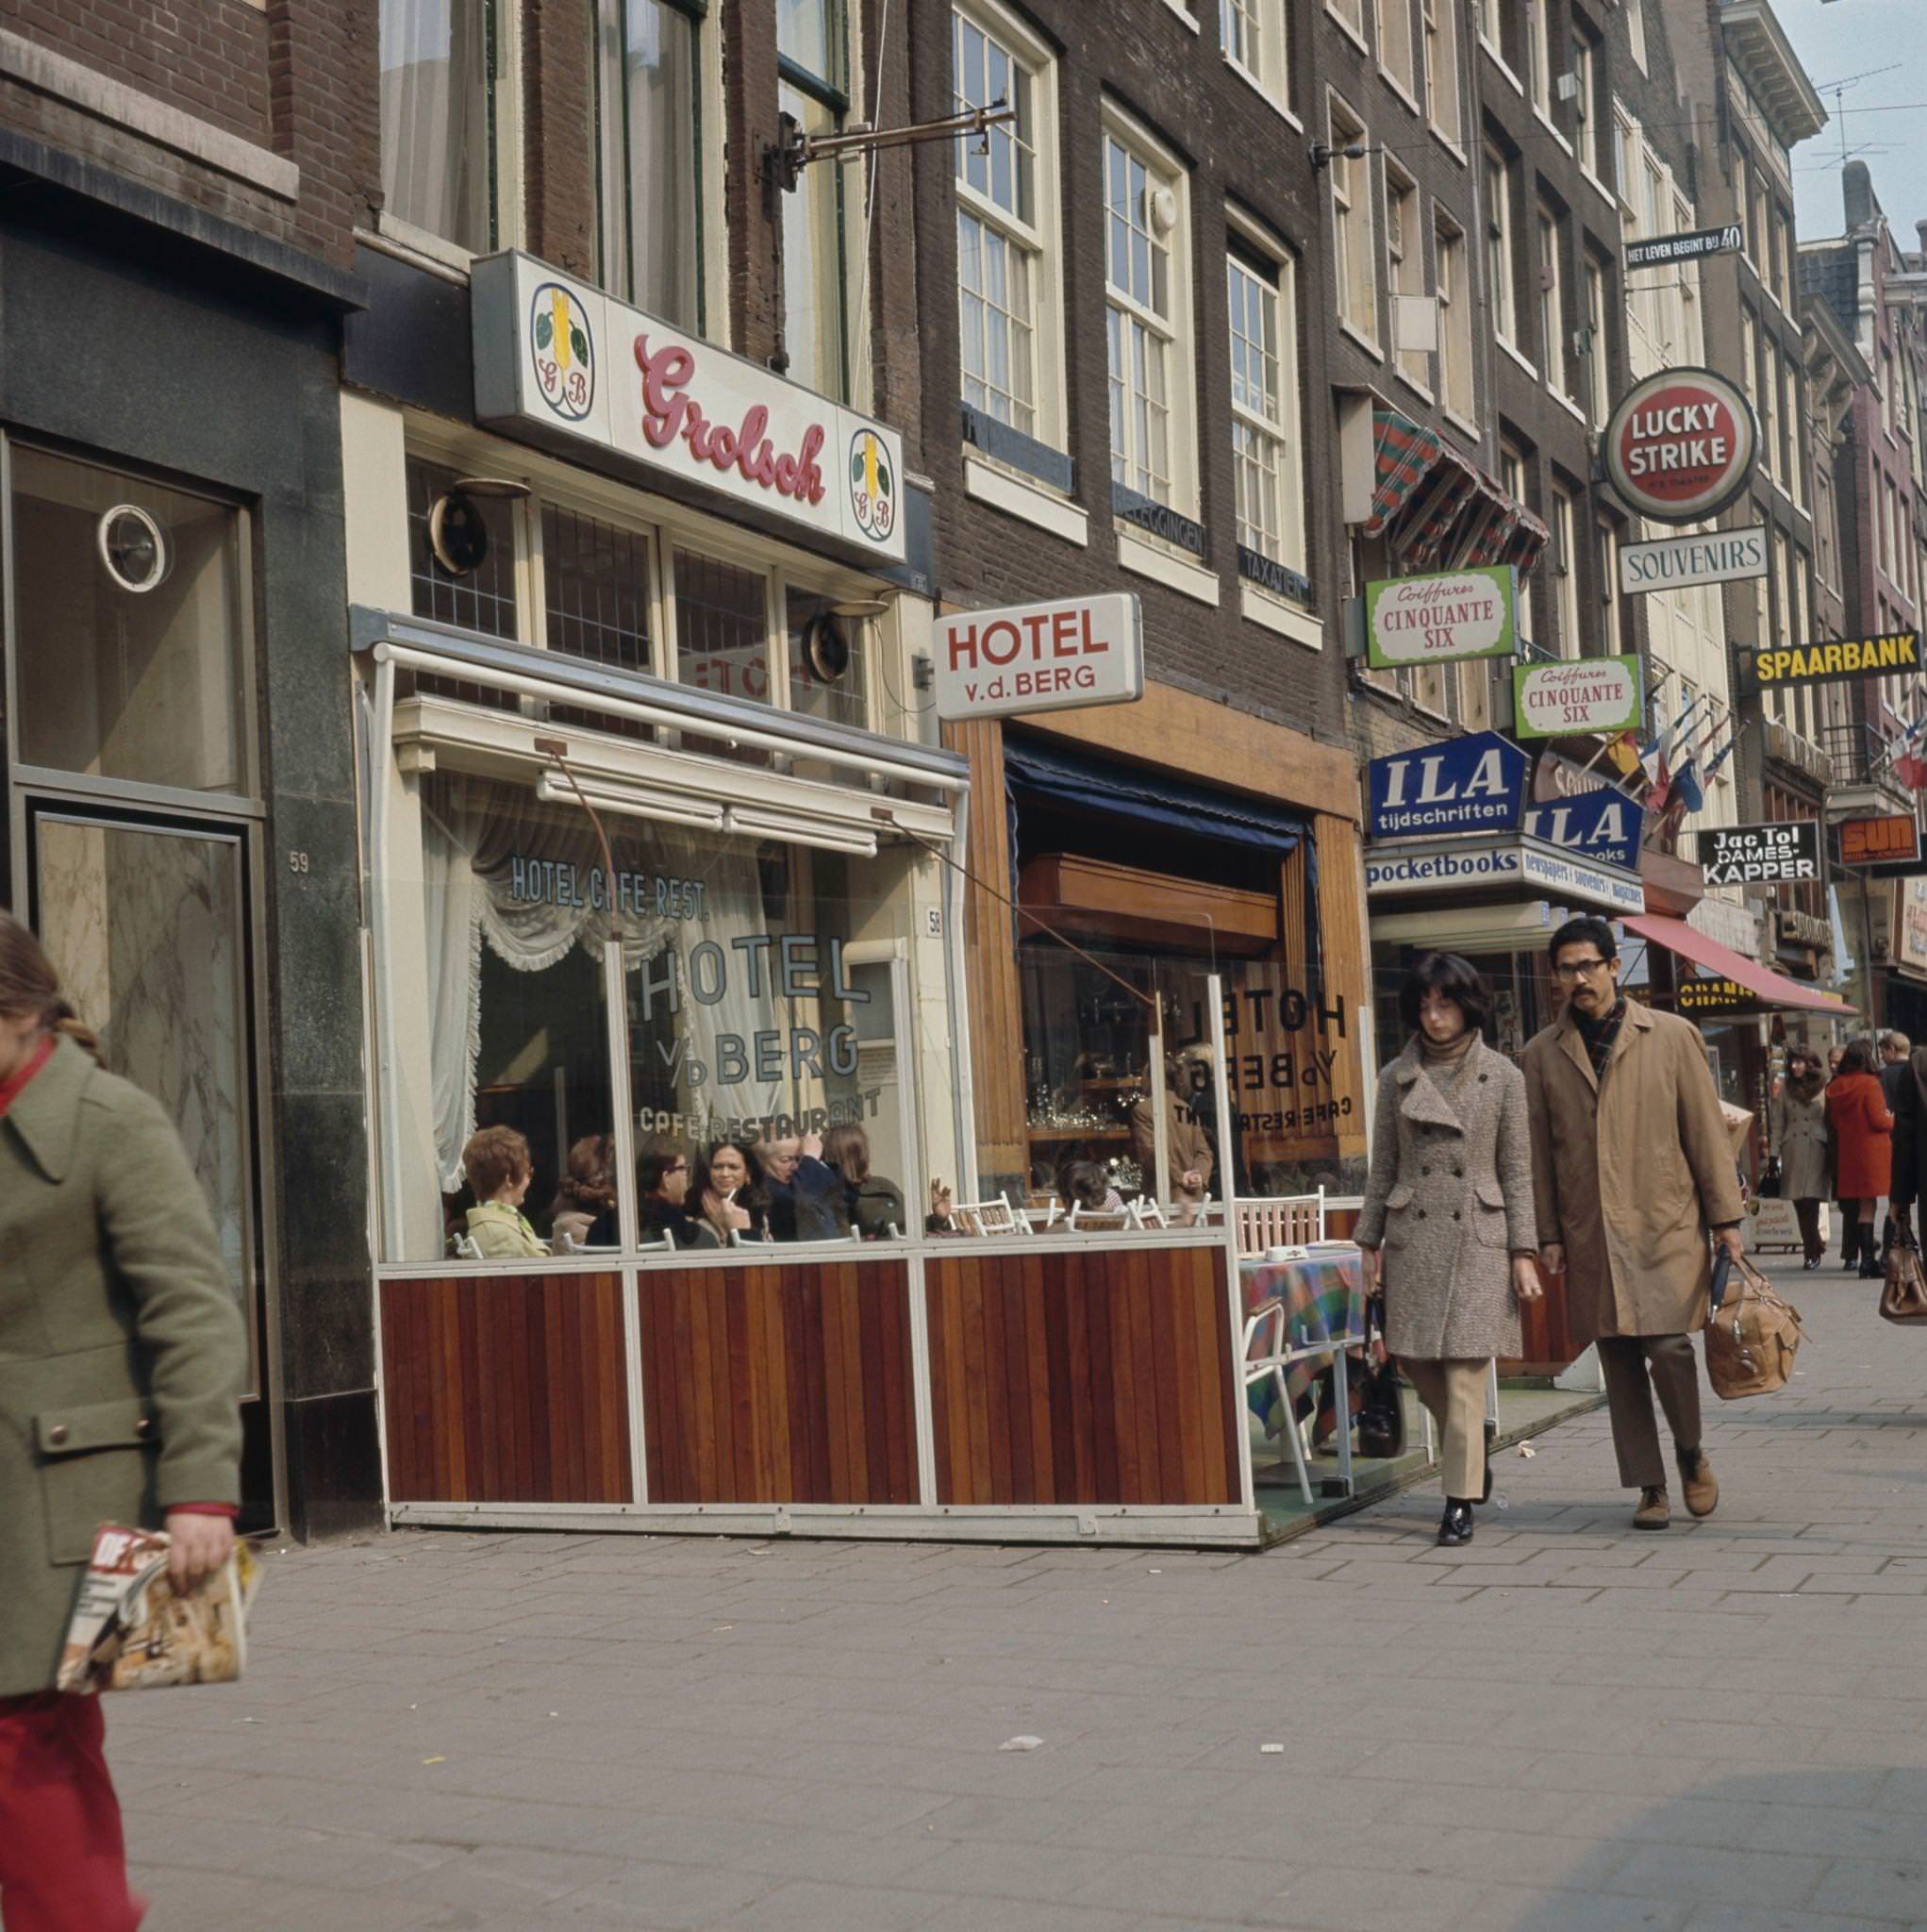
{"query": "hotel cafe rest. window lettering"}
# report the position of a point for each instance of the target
(757, 1006)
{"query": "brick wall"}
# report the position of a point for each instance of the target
(558, 107)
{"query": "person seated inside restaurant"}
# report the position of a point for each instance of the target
(583, 1214)
(1187, 1159)
(863, 1200)
(662, 1185)
(727, 1186)
(1083, 1184)
(498, 1166)
(799, 1189)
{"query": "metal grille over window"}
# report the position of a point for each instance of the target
(721, 621)
(596, 581)
(481, 598)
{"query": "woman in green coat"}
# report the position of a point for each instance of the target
(123, 1357)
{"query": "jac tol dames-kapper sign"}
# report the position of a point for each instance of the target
(556, 360)
(1451, 614)
(1680, 445)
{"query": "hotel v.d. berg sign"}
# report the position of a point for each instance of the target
(1680, 445)
(557, 359)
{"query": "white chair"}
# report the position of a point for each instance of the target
(990, 1217)
(1265, 1328)
(1275, 1220)
(464, 1247)
(1101, 1220)
(1148, 1212)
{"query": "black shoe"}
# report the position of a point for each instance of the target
(1811, 1262)
(1871, 1268)
(1455, 1526)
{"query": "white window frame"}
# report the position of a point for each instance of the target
(1539, 59)
(1265, 26)
(1565, 528)
(1439, 39)
(1598, 356)
(1405, 272)
(1396, 42)
(1352, 240)
(1549, 251)
(1177, 331)
(1636, 32)
(1501, 278)
(1350, 15)
(1042, 238)
(1286, 428)
(1585, 66)
(1457, 382)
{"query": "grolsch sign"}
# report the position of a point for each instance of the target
(1786, 854)
(1680, 445)
(1066, 653)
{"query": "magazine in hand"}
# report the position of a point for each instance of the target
(130, 1631)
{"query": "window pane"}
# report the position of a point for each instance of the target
(515, 1034)
(721, 642)
(435, 136)
(482, 598)
(649, 98)
(813, 296)
(807, 34)
(144, 684)
(596, 584)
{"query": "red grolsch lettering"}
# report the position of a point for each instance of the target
(670, 414)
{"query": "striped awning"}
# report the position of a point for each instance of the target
(1435, 509)
(1404, 453)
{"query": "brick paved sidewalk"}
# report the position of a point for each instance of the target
(1565, 1726)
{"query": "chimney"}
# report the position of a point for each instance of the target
(1857, 185)
(1920, 231)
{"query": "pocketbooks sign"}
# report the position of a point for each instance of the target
(1471, 784)
(1451, 614)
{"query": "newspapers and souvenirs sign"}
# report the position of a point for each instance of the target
(1575, 696)
(1500, 868)
(1677, 563)
(1471, 784)
(1892, 839)
(1777, 855)
(1835, 659)
(560, 362)
(1069, 652)
(1680, 445)
(1728, 240)
(1449, 614)
(1602, 826)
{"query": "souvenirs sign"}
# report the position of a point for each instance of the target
(1776, 855)
(1677, 563)
(1576, 695)
(1449, 614)
(1889, 839)
(1838, 659)
(1073, 651)
(562, 364)
(1471, 784)
(1728, 239)
(1680, 445)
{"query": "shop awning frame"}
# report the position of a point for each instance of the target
(1773, 989)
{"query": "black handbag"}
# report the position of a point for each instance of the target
(1769, 1188)
(1381, 1413)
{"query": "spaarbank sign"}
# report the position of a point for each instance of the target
(1067, 653)
(557, 361)
(1680, 445)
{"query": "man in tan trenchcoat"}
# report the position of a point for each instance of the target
(1632, 1165)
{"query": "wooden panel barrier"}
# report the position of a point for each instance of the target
(1076, 1376)
(505, 1388)
(778, 1383)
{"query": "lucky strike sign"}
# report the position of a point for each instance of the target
(1680, 445)
(557, 360)
(1064, 653)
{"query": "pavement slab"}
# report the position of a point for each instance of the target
(1563, 1728)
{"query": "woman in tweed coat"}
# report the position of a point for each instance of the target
(1449, 1199)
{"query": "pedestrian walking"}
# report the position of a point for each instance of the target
(1895, 1048)
(1862, 1147)
(122, 1360)
(1908, 1167)
(1798, 1123)
(1449, 1201)
(1632, 1165)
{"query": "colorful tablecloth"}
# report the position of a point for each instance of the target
(1323, 1292)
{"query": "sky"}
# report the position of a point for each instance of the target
(1836, 39)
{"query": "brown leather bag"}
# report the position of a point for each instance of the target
(1903, 1294)
(1751, 1338)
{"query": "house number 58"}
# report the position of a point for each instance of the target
(298, 861)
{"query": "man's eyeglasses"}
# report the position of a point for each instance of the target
(677, 1167)
(1579, 968)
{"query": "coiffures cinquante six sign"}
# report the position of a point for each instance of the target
(558, 359)
(1786, 854)
(1680, 445)
(1448, 614)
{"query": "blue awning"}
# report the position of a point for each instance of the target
(1153, 800)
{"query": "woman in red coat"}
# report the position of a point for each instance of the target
(1862, 1131)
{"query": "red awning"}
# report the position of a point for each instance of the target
(1769, 988)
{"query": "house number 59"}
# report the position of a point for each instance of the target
(298, 861)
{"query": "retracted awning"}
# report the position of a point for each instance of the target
(1769, 988)
(1435, 510)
